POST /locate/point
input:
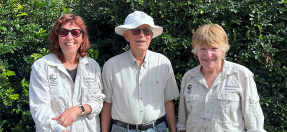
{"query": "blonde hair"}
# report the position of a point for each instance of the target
(210, 34)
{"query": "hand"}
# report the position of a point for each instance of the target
(68, 117)
(65, 131)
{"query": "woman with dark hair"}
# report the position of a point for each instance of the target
(65, 86)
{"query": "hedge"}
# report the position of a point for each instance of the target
(256, 31)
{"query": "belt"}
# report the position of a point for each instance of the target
(139, 127)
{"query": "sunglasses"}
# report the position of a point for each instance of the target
(146, 32)
(64, 32)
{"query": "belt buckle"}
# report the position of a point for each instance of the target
(137, 128)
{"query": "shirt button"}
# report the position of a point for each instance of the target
(141, 97)
(141, 110)
(207, 111)
(207, 96)
(206, 127)
(140, 84)
(156, 81)
(72, 88)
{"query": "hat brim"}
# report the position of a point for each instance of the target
(157, 30)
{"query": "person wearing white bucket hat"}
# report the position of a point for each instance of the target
(139, 84)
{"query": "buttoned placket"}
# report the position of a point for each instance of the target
(141, 85)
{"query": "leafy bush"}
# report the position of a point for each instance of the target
(256, 31)
(24, 29)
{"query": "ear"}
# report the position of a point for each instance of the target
(126, 36)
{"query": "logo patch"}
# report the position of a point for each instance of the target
(189, 87)
(53, 77)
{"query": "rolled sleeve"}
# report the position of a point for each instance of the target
(39, 101)
(107, 87)
(252, 112)
(171, 90)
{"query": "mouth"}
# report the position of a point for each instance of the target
(140, 41)
(70, 44)
(208, 60)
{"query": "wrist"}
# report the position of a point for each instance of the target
(82, 109)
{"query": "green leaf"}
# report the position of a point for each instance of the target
(22, 14)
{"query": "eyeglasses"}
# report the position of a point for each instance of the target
(64, 32)
(146, 32)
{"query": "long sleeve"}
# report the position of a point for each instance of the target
(97, 97)
(251, 109)
(182, 112)
(40, 102)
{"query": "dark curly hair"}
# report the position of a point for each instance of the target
(54, 37)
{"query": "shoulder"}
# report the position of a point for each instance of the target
(41, 62)
(158, 57)
(237, 68)
(92, 62)
(117, 59)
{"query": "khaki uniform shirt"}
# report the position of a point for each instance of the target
(52, 91)
(230, 105)
(138, 94)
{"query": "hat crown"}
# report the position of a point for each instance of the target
(138, 17)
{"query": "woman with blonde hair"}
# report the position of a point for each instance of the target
(218, 95)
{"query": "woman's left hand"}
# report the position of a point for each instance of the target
(68, 117)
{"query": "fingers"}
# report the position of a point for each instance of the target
(68, 117)
(57, 117)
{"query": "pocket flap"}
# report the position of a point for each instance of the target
(254, 99)
(228, 96)
(191, 97)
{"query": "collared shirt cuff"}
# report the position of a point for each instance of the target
(94, 109)
(181, 127)
(59, 128)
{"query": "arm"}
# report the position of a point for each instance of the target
(182, 111)
(170, 115)
(40, 101)
(106, 116)
(251, 109)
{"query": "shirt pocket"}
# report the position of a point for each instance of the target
(88, 89)
(156, 90)
(193, 105)
(228, 104)
(54, 91)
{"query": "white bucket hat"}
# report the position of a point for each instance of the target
(137, 19)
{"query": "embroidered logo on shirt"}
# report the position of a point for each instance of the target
(230, 88)
(52, 77)
(189, 87)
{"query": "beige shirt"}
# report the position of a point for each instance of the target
(52, 91)
(230, 105)
(138, 94)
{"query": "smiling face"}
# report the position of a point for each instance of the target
(138, 43)
(70, 45)
(210, 57)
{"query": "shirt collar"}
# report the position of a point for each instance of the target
(134, 61)
(54, 61)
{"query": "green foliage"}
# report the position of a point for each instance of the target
(24, 26)
(256, 31)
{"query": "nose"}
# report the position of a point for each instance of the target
(69, 36)
(209, 53)
(141, 33)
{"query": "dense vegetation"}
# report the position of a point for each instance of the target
(256, 31)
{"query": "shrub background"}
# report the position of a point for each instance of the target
(256, 30)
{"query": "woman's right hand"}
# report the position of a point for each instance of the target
(68, 117)
(65, 131)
